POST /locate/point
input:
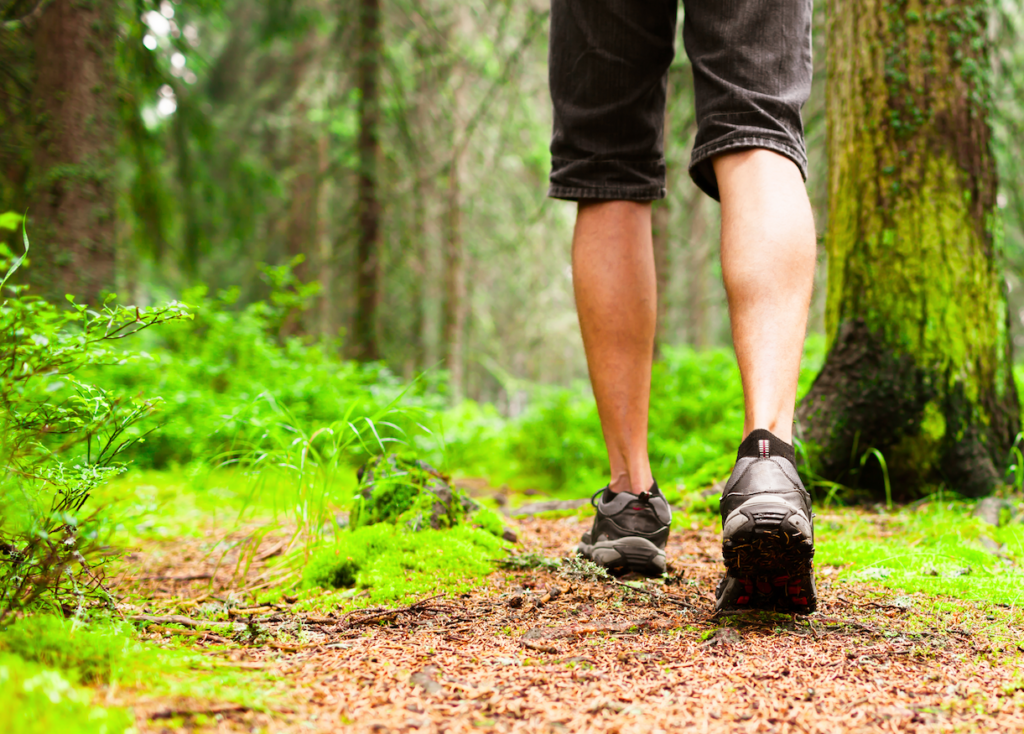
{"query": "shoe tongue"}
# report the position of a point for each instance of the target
(763, 444)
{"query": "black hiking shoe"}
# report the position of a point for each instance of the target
(629, 533)
(767, 532)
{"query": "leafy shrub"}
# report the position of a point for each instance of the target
(696, 422)
(60, 438)
(232, 384)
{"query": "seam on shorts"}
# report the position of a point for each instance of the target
(707, 150)
(611, 193)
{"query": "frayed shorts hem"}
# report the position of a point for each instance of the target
(703, 173)
(607, 193)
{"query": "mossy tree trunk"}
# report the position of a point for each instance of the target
(72, 192)
(919, 353)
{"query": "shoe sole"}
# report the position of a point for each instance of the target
(771, 563)
(625, 555)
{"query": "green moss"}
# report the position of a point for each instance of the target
(38, 700)
(489, 520)
(391, 563)
(937, 549)
(86, 654)
(912, 244)
(404, 490)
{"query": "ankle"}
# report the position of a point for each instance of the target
(635, 483)
(762, 443)
(782, 429)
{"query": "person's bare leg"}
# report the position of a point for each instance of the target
(768, 257)
(616, 298)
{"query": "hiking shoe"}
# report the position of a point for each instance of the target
(629, 532)
(767, 532)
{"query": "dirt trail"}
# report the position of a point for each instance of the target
(533, 652)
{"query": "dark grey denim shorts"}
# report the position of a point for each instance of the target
(609, 64)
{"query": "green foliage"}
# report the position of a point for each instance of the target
(44, 659)
(60, 438)
(528, 562)
(233, 384)
(402, 490)
(489, 520)
(696, 422)
(390, 563)
(937, 547)
(86, 654)
(38, 700)
(578, 568)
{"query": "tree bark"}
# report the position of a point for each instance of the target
(325, 245)
(72, 190)
(455, 304)
(917, 325)
(455, 281)
(364, 332)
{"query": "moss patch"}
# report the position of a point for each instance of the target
(38, 699)
(939, 548)
(385, 562)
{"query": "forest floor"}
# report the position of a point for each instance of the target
(534, 651)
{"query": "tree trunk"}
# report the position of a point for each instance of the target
(454, 281)
(303, 213)
(454, 256)
(364, 332)
(73, 198)
(325, 244)
(190, 207)
(919, 355)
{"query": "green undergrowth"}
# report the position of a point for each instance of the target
(40, 700)
(556, 445)
(48, 666)
(385, 563)
(196, 501)
(937, 548)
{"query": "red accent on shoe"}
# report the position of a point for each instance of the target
(801, 600)
(743, 600)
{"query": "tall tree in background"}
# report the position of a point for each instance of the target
(369, 244)
(72, 194)
(456, 304)
(919, 353)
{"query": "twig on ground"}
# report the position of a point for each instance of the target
(170, 713)
(349, 620)
(179, 619)
(662, 596)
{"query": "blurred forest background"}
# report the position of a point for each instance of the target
(372, 175)
(237, 135)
